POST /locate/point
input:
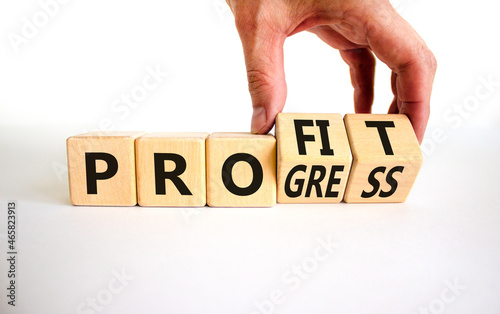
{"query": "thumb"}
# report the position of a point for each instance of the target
(263, 50)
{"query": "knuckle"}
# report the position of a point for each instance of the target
(258, 80)
(428, 59)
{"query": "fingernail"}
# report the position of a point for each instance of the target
(259, 119)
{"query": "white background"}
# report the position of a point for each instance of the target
(69, 77)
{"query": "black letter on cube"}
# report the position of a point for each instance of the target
(227, 176)
(161, 175)
(93, 175)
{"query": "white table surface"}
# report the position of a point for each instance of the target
(384, 258)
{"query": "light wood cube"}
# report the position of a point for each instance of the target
(241, 170)
(314, 157)
(171, 169)
(101, 168)
(387, 158)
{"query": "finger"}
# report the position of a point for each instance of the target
(361, 65)
(394, 105)
(263, 50)
(393, 108)
(395, 43)
(362, 69)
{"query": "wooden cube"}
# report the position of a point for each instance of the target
(386, 158)
(101, 168)
(171, 169)
(241, 170)
(314, 157)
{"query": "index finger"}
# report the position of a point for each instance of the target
(399, 46)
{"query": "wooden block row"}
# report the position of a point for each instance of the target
(314, 158)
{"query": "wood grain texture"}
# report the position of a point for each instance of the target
(314, 158)
(391, 167)
(120, 189)
(178, 153)
(245, 148)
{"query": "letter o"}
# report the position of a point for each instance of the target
(310, 264)
(104, 297)
(471, 103)
(139, 93)
(436, 306)
(227, 177)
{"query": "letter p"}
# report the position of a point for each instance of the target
(91, 169)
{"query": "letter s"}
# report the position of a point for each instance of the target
(391, 181)
(374, 182)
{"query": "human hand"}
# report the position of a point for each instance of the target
(358, 29)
